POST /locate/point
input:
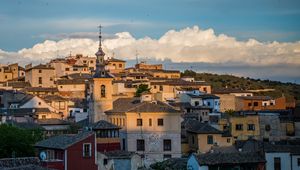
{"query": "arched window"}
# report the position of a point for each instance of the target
(102, 90)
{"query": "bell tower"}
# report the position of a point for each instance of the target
(101, 87)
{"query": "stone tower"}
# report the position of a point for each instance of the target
(101, 88)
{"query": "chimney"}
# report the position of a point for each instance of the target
(146, 97)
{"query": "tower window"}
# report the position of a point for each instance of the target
(102, 90)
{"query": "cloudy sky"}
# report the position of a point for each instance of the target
(255, 35)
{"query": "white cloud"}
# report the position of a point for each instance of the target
(187, 45)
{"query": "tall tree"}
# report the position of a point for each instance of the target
(142, 88)
(17, 142)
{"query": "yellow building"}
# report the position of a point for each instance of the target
(202, 136)
(245, 126)
(101, 88)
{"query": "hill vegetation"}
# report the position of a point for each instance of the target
(289, 90)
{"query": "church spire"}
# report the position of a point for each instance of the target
(100, 63)
(100, 52)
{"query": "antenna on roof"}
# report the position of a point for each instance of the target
(70, 53)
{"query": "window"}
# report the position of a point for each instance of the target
(298, 161)
(161, 88)
(5, 76)
(228, 140)
(208, 103)
(50, 155)
(239, 127)
(277, 163)
(196, 103)
(139, 122)
(102, 90)
(255, 104)
(160, 122)
(154, 87)
(249, 104)
(193, 139)
(123, 144)
(51, 79)
(150, 122)
(120, 65)
(43, 116)
(87, 150)
(40, 103)
(140, 145)
(210, 139)
(40, 71)
(205, 89)
(167, 145)
(67, 69)
(40, 80)
(251, 127)
(104, 161)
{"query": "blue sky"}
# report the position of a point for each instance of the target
(24, 23)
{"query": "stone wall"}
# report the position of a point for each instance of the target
(25, 163)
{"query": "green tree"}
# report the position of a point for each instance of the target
(19, 142)
(190, 73)
(230, 112)
(142, 88)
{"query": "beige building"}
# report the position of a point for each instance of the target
(150, 128)
(114, 65)
(10, 72)
(229, 98)
(40, 76)
(143, 65)
(81, 60)
(168, 89)
(72, 88)
(68, 66)
(202, 137)
(59, 103)
(123, 88)
(41, 91)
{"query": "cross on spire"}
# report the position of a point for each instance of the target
(100, 36)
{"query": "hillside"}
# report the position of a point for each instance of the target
(290, 90)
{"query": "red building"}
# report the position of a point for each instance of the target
(69, 151)
(107, 136)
